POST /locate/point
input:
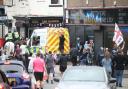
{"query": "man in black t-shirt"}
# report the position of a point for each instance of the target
(61, 43)
(119, 63)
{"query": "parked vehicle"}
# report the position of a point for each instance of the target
(16, 73)
(86, 77)
(47, 39)
(4, 84)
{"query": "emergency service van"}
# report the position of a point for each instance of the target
(47, 39)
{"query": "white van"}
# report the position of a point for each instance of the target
(48, 39)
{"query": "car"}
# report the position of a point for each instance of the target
(16, 73)
(4, 84)
(86, 77)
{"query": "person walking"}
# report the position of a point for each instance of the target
(100, 56)
(17, 52)
(24, 54)
(39, 69)
(9, 47)
(107, 63)
(61, 42)
(50, 66)
(119, 63)
(9, 37)
(73, 55)
(16, 36)
(63, 63)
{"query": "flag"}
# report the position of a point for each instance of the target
(118, 37)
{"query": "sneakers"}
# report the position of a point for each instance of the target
(120, 85)
(48, 81)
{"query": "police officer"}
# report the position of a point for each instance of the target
(16, 36)
(9, 36)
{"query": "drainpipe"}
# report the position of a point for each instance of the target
(63, 12)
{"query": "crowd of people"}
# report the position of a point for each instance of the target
(41, 64)
(44, 64)
(114, 61)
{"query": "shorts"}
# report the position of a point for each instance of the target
(38, 76)
(50, 70)
(63, 68)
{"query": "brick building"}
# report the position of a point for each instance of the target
(95, 19)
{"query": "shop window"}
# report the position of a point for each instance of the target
(74, 16)
(2, 11)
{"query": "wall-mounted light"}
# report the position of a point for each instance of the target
(115, 3)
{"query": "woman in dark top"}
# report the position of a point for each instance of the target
(63, 63)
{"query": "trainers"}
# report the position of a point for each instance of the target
(120, 85)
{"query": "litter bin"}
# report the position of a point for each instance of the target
(2, 41)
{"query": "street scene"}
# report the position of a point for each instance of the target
(63, 44)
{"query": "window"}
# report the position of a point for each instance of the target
(2, 11)
(54, 1)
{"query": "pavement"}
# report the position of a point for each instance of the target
(125, 81)
(58, 74)
(125, 84)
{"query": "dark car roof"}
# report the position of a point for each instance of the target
(13, 62)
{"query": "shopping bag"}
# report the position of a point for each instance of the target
(45, 76)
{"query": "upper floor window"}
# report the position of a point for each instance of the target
(54, 1)
(2, 11)
(22, 0)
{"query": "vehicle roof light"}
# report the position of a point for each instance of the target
(7, 62)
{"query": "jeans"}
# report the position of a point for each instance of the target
(119, 76)
(100, 60)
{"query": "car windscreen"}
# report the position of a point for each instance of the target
(12, 68)
(92, 75)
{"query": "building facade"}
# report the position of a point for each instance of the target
(3, 18)
(95, 20)
(41, 13)
(12, 8)
(26, 15)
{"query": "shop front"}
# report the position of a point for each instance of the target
(27, 24)
(97, 24)
(39, 22)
